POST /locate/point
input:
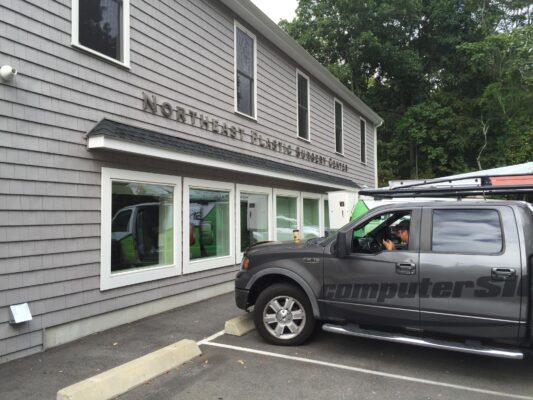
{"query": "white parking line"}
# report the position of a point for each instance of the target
(212, 337)
(208, 342)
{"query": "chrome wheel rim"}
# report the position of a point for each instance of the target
(284, 317)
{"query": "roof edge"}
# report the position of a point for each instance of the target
(264, 25)
(111, 135)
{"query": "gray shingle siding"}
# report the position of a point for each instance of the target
(182, 52)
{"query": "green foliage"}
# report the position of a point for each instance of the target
(506, 60)
(442, 73)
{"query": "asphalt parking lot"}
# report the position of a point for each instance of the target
(337, 367)
(328, 367)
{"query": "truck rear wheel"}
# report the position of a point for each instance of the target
(283, 315)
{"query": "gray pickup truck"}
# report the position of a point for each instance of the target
(460, 279)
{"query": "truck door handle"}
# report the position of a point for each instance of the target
(503, 274)
(406, 268)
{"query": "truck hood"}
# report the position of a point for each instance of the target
(279, 247)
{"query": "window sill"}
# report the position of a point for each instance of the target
(339, 154)
(208, 263)
(138, 276)
(249, 117)
(208, 259)
(304, 139)
(125, 65)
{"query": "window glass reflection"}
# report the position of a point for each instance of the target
(244, 94)
(142, 229)
(245, 73)
(327, 227)
(303, 107)
(100, 26)
(467, 231)
(363, 141)
(338, 127)
(245, 53)
(209, 227)
(254, 219)
(286, 217)
(311, 228)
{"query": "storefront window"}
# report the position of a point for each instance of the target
(254, 219)
(286, 217)
(142, 233)
(311, 225)
(209, 223)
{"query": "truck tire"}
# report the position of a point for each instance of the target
(283, 315)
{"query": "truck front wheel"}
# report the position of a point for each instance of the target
(283, 315)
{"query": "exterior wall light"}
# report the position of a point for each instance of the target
(7, 73)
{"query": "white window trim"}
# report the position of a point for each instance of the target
(191, 266)
(375, 147)
(325, 197)
(335, 101)
(125, 34)
(251, 190)
(298, 72)
(236, 25)
(110, 280)
(366, 142)
(285, 193)
(314, 196)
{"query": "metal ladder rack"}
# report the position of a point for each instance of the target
(481, 185)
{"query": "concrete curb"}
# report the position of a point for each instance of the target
(240, 325)
(119, 380)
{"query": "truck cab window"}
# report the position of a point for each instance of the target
(467, 231)
(388, 231)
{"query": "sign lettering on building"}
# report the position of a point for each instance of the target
(203, 121)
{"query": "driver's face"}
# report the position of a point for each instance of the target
(403, 235)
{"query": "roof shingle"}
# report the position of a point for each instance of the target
(134, 134)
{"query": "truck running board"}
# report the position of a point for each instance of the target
(354, 330)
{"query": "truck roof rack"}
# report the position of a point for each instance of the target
(472, 185)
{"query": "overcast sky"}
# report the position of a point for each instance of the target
(277, 9)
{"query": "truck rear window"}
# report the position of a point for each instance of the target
(467, 231)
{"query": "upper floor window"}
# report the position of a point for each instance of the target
(303, 106)
(245, 72)
(363, 141)
(102, 27)
(339, 139)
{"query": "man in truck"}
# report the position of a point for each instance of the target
(402, 231)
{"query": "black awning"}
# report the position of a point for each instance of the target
(128, 133)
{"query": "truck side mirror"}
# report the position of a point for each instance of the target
(343, 244)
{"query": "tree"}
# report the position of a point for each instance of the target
(506, 102)
(426, 67)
